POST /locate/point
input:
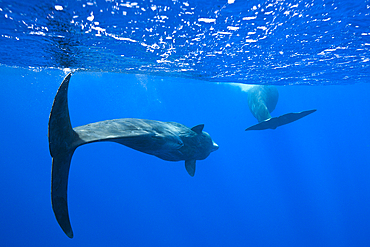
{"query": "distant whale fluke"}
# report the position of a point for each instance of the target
(273, 123)
(262, 101)
(167, 140)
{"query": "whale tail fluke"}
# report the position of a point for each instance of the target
(273, 123)
(61, 139)
(59, 184)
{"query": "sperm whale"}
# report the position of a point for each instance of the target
(169, 141)
(262, 101)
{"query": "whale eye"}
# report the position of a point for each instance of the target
(180, 143)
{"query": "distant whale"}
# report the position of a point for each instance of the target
(262, 101)
(167, 140)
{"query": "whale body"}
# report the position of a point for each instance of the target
(169, 141)
(262, 101)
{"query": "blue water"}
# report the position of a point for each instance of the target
(304, 184)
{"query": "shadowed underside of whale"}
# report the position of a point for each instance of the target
(167, 140)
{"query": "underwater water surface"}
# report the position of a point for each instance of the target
(303, 184)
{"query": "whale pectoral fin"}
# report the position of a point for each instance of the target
(275, 122)
(190, 167)
(198, 129)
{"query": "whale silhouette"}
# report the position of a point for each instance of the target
(262, 101)
(167, 140)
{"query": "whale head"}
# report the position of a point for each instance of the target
(204, 145)
(211, 144)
